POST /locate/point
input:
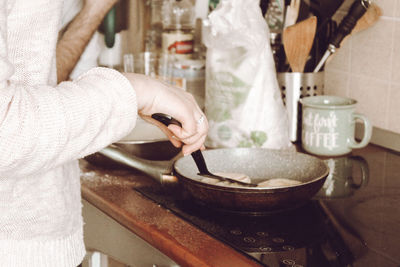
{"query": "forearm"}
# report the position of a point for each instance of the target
(46, 126)
(78, 34)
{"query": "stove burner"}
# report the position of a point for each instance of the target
(289, 262)
(281, 236)
(236, 232)
(278, 240)
(265, 249)
(262, 234)
(288, 248)
(249, 239)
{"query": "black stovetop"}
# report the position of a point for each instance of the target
(327, 231)
(287, 236)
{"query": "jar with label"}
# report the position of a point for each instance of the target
(178, 28)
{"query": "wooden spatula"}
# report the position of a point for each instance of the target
(297, 42)
(370, 17)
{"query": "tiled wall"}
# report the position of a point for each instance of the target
(367, 68)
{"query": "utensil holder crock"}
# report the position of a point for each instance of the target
(296, 85)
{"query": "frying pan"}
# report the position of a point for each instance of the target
(260, 164)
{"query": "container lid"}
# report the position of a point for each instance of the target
(178, 14)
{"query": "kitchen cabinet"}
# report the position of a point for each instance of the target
(104, 234)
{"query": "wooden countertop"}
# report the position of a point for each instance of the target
(112, 191)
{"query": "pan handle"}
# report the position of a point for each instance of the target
(158, 170)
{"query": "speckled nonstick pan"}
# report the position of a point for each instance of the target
(259, 164)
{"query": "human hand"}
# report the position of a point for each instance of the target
(154, 96)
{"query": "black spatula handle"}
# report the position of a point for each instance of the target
(165, 119)
(357, 9)
(197, 155)
(200, 162)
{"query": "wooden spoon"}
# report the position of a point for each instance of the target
(298, 40)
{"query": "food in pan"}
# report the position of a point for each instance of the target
(276, 182)
(235, 176)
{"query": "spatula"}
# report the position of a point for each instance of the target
(357, 10)
(370, 17)
(297, 41)
(197, 155)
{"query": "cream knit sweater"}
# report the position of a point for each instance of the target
(44, 129)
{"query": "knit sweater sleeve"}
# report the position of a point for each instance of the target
(44, 126)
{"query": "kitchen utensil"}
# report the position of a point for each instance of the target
(292, 12)
(297, 42)
(197, 155)
(203, 171)
(294, 86)
(258, 163)
(357, 9)
(324, 10)
(370, 17)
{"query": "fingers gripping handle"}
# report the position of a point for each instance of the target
(197, 155)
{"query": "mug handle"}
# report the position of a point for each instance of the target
(367, 132)
(364, 171)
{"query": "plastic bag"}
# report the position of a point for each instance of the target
(243, 102)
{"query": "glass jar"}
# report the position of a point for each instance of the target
(178, 28)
